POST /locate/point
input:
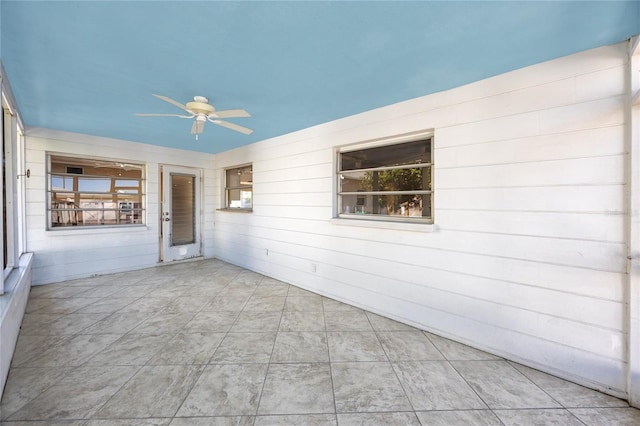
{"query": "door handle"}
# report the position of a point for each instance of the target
(166, 219)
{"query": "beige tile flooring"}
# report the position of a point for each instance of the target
(209, 343)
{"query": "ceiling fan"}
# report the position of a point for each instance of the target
(202, 111)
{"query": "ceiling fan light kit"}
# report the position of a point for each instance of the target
(203, 111)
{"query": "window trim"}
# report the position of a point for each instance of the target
(15, 187)
(373, 220)
(225, 191)
(49, 191)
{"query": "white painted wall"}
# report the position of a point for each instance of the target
(527, 257)
(65, 254)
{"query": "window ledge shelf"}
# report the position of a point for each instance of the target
(88, 230)
(384, 224)
(235, 210)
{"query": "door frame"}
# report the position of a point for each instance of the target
(170, 253)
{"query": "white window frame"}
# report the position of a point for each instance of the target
(228, 187)
(49, 190)
(371, 220)
(12, 131)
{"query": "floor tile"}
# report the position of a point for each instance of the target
(297, 420)
(221, 345)
(58, 291)
(226, 303)
(454, 351)
(257, 321)
(300, 292)
(307, 304)
(435, 385)
(107, 306)
(302, 321)
(212, 321)
(354, 346)
(235, 289)
(24, 384)
(570, 395)
(385, 324)
(147, 304)
(32, 324)
(265, 303)
(330, 305)
(188, 348)
(69, 324)
(164, 323)
(463, 417)
(300, 346)
(553, 416)
(503, 387)
(213, 421)
(225, 390)
(129, 422)
(60, 306)
(117, 323)
(78, 395)
(347, 321)
(271, 287)
(367, 387)
(74, 351)
(29, 348)
(408, 346)
(48, 423)
(247, 277)
(185, 304)
(607, 416)
(155, 391)
(368, 419)
(101, 291)
(130, 349)
(133, 291)
(297, 389)
(244, 348)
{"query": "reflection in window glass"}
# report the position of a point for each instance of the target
(94, 192)
(392, 181)
(239, 187)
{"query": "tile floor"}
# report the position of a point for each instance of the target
(208, 343)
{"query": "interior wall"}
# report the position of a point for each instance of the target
(526, 258)
(64, 254)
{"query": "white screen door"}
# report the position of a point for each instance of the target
(180, 216)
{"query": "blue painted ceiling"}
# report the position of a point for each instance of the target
(88, 66)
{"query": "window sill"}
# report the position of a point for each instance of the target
(385, 224)
(87, 230)
(235, 210)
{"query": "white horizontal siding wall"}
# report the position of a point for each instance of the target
(526, 258)
(73, 253)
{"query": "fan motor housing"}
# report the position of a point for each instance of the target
(200, 107)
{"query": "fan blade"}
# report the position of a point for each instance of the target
(232, 126)
(172, 102)
(164, 115)
(197, 128)
(230, 113)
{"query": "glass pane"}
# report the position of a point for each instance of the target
(403, 205)
(94, 185)
(61, 182)
(418, 152)
(127, 183)
(413, 179)
(183, 212)
(100, 192)
(241, 176)
(240, 198)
